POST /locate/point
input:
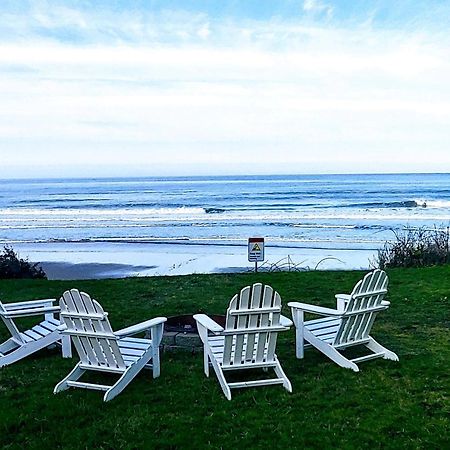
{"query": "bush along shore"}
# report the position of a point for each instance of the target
(420, 247)
(12, 266)
(386, 405)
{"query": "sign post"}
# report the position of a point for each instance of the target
(255, 251)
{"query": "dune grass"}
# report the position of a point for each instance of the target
(385, 405)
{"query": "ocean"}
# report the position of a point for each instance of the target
(329, 212)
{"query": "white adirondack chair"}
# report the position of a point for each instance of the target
(100, 349)
(249, 339)
(42, 335)
(348, 325)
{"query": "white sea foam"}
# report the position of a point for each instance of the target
(119, 212)
(123, 218)
(433, 203)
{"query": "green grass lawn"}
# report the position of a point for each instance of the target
(386, 405)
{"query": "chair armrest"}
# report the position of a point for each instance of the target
(29, 308)
(342, 300)
(345, 297)
(206, 322)
(29, 312)
(139, 327)
(385, 302)
(285, 321)
(44, 303)
(315, 309)
(30, 303)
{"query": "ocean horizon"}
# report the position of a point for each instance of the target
(296, 214)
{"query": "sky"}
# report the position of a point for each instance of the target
(136, 88)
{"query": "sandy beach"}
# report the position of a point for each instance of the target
(116, 260)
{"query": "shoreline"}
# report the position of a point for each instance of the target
(97, 260)
(288, 244)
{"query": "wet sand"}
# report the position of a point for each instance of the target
(84, 271)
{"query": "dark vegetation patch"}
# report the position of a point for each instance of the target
(416, 248)
(12, 266)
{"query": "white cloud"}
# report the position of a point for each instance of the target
(316, 6)
(273, 96)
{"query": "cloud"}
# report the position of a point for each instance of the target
(184, 92)
(317, 7)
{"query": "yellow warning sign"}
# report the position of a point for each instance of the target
(256, 249)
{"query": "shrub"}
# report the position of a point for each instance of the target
(11, 266)
(416, 248)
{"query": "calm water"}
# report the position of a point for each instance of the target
(331, 211)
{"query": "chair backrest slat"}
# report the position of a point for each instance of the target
(275, 301)
(362, 308)
(241, 323)
(72, 323)
(252, 325)
(96, 343)
(9, 323)
(252, 320)
(261, 348)
(91, 346)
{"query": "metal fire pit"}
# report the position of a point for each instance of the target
(180, 332)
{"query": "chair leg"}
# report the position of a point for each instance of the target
(280, 373)
(121, 383)
(330, 351)
(66, 346)
(297, 315)
(128, 375)
(299, 343)
(156, 334)
(378, 348)
(205, 361)
(156, 362)
(221, 377)
(73, 376)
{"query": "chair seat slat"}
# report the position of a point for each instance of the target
(32, 334)
(41, 330)
(313, 325)
(331, 331)
(26, 338)
(49, 325)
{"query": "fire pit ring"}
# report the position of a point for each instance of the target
(180, 332)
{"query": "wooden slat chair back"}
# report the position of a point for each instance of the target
(92, 335)
(252, 326)
(361, 309)
(248, 340)
(347, 325)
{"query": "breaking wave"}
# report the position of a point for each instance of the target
(400, 204)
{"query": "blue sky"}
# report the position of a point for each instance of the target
(222, 87)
